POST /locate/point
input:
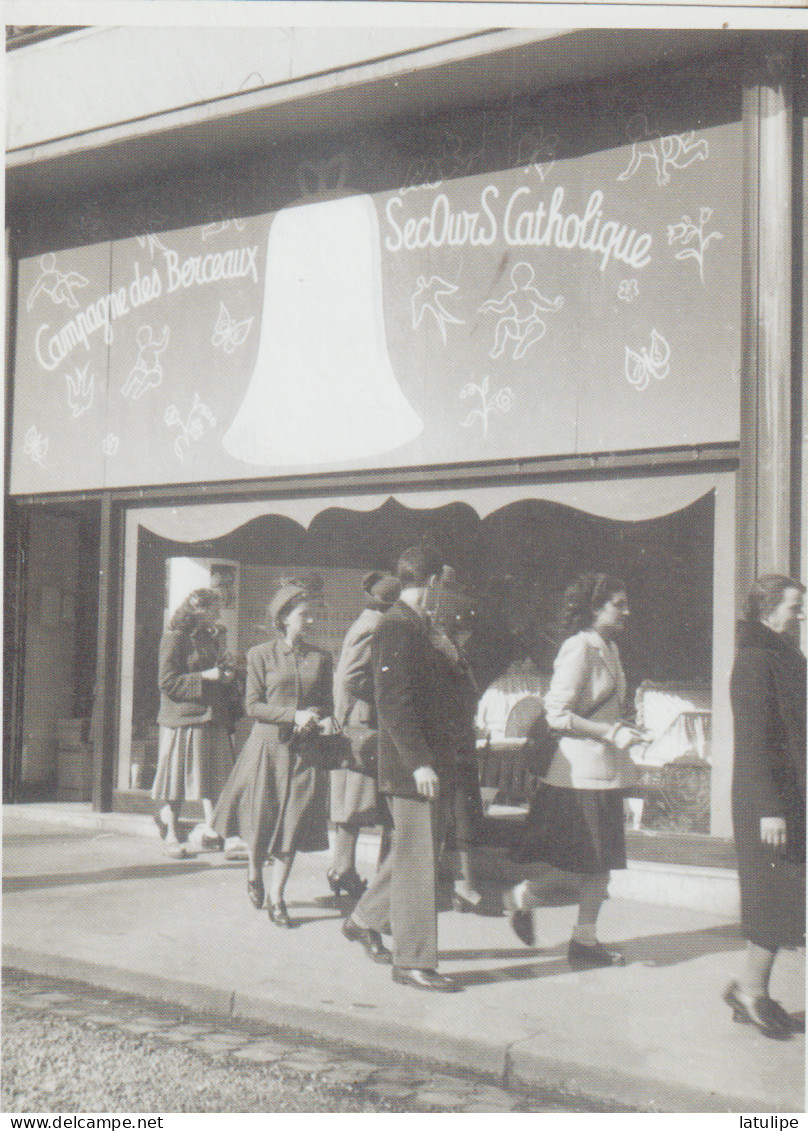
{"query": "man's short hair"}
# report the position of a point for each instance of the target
(417, 565)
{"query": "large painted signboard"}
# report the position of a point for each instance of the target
(582, 304)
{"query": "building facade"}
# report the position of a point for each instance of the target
(289, 300)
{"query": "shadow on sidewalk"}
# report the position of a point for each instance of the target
(102, 875)
(649, 950)
(681, 946)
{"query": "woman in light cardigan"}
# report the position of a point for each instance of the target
(575, 823)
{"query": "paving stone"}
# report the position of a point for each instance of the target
(450, 1099)
(306, 1063)
(349, 1072)
(154, 1020)
(51, 997)
(401, 1076)
(71, 1009)
(182, 1033)
(218, 1043)
(136, 1028)
(493, 1099)
(262, 1052)
(389, 1091)
(103, 1018)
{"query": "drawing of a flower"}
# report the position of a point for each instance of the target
(501, 401)
(110, 444)
(35, 445)
(192, 427)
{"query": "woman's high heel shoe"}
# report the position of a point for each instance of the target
(462, 904)
(278, 914)
(757, 1011)
(348, 881)
(255, 892)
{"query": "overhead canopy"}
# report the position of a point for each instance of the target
(626, 500)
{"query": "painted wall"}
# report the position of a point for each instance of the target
(582, 294)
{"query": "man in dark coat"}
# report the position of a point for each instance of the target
(407, 700)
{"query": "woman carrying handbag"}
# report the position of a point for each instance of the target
(575, 823)
(275, 797)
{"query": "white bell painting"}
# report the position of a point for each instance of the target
(323, 387)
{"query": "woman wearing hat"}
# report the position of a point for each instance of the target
(275, 798)
(354, 800)
(452, 615)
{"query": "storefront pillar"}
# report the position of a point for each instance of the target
(724, 613)
(105, 710)
(766, 495)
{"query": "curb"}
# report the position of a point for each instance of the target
(518, 1067)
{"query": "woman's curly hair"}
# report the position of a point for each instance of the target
(582, 599)
(189, 614)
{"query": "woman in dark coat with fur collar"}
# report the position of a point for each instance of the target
(767, 691)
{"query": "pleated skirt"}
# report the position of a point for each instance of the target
(275, 798)
(193, 762)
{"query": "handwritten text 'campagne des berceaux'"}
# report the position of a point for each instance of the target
(196, 270)
(523, 224)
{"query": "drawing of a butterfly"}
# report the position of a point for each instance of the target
(227, 333)
(644, 364)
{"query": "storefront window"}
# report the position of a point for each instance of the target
(514, 549)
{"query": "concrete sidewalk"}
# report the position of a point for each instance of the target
(86, 897)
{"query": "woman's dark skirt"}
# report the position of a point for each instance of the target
(574, 830)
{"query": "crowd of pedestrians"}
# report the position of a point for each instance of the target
(388, 739)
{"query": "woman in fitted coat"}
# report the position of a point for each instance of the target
(275, 798)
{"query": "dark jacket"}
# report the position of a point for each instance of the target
(406, 690)
(186, 699)
(767, 691)
(457, 705)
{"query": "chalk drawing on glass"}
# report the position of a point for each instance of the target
(501, 402)
(438, 156)
(110, 444)
(152, 243)
(628, 290)
(674, 151)
(191, 427)
(57, 285)
(537, 151)
(228, 334)
(218, 226)
(147, 372)
(643, 364)
(428, 298)
(520, 309)
(35, 444)
(80, 390)
(693, 237)
(328, 175)
(323, 386)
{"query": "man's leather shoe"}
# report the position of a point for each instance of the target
(371, 940)
(583, 957)
(425, 980)
(521, 921)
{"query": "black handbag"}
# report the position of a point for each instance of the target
(362, 753)
(527, 720)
